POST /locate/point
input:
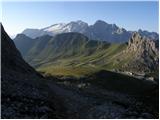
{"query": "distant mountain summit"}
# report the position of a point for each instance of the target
(100, 30)
(74, 26)
(107, 32)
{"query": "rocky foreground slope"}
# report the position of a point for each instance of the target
(24, 93)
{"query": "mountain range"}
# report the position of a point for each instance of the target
(74, 51)
(100, 30)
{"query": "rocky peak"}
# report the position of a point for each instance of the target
(78, 23)
(19, 36)
(144, 52)
(81, 22)
(76, 26)
(142, 45)
(135, 39)
(100, 22)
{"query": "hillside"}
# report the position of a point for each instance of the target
(74, 53)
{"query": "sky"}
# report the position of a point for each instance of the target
(17, 16)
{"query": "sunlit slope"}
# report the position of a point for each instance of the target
(75, 54)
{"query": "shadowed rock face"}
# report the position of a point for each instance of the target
(11, 57)
(23, 93)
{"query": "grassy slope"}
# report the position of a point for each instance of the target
(72, 53)
(84, 65)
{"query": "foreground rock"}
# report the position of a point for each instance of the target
(97, 100)
(24, 93)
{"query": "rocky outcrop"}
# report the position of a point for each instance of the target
(145, 53)
(141, 44)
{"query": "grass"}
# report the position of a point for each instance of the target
(68, 71)
(81, 65)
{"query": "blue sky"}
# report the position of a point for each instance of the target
(16, 16)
